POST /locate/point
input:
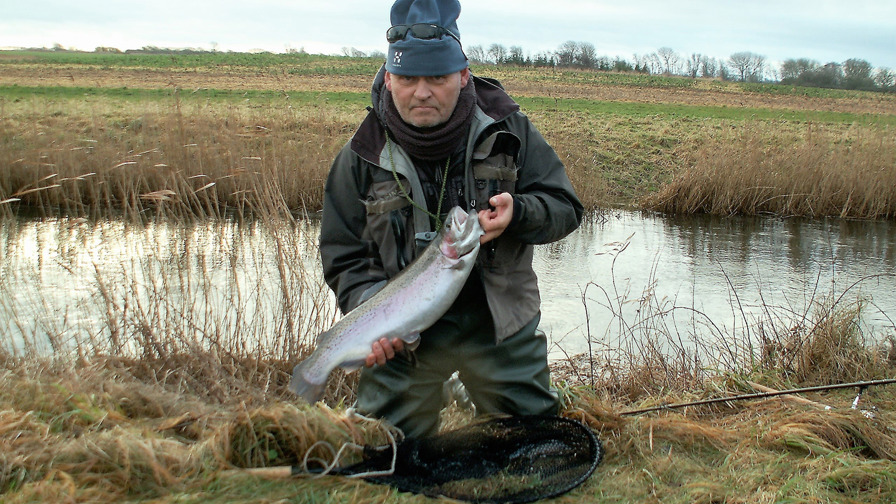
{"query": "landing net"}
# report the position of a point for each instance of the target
(513, 459)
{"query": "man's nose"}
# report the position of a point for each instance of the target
(422, 91)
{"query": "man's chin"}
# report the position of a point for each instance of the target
(424, 119)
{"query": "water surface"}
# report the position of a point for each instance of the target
(74, 281)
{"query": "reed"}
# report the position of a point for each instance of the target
(815, 171)
(198, 154)
(648, 345)
(179, 158)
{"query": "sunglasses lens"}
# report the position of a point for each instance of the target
(425, 31)
(396, 33)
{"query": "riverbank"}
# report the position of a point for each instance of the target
(198, 137)
(174, 430)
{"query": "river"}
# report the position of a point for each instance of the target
(74, 283)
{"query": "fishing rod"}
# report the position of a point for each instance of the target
(760, 395)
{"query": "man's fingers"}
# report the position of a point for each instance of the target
(383, 350)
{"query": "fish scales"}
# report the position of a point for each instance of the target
(408, 304)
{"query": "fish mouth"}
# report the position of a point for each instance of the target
(463, 235)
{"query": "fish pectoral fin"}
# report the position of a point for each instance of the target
(412, 341)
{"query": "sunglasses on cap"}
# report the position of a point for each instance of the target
(424, 31)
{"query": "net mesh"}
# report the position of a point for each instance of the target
(512, 459)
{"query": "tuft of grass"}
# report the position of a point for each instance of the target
(821, 171)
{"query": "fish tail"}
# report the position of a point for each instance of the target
(308, 390)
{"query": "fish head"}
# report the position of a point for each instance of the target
(460, 233)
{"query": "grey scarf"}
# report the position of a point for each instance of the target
(437, 142)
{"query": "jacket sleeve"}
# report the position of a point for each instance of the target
(351, 265)
(546, 207)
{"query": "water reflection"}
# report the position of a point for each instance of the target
(726, 268)
(111, 285)
(248, 283)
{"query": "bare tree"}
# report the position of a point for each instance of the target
(566, 53)
(476, 54)
(793, 69)
(885, 79)
(857, 74)
(497, 53)
(669, 59)
(694, 65)
(654, 63)
(749, 66)
(587, 56)
(709, 67)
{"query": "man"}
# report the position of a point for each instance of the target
(437, 137)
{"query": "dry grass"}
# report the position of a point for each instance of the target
(180, 158)
(171, 423)
(190, 156)
(822, 170)
(91, 433)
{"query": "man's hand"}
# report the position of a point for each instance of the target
(383, 350)
(494, 222)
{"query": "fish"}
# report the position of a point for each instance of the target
(408, 304)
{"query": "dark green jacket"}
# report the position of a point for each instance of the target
(369, 230)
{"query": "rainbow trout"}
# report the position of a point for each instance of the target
(409, 303)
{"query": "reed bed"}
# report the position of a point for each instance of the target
(814, 171)
(182, 158)
(648, 343)
(232, 293)
(191, 155)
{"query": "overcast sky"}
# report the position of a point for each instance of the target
(823, 30)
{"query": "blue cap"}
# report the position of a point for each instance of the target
(437, 56)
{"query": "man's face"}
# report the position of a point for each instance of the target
(428, 101)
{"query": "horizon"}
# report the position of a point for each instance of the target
(821, 30)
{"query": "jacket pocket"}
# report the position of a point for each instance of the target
(389, 225)
(495, 167)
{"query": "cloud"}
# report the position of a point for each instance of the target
(825, 30)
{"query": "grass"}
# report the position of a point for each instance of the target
(166, 395)
(115, 430)
(623, 137)
(816, 170)
(169, 398)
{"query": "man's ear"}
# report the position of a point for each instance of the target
(388, 81)
(464, 77)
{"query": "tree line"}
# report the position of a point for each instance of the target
(745, 66)
(742, 66)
